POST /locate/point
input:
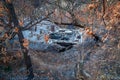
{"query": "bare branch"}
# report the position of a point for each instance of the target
(104, 6)
(75, 24)
(29, 25)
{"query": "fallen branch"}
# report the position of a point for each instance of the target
(75, 24)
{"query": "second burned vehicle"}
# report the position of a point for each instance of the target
(65, 38)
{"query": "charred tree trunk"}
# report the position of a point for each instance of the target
(14, 19)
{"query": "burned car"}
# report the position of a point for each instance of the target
(65, 38)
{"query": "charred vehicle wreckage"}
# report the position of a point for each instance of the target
(65, 39)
